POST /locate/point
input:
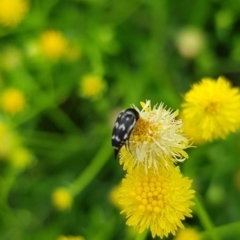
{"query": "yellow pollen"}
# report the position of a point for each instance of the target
(139, 198)
(144, 131)
(151, 194)
(139, 190)
(212, 108)
(144, 195)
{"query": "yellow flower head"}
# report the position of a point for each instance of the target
(92, 86)
(213, 108)
(12, 12)
(70, 238)
(187, 233)
(156, 139)
(53, 44)
(61, 199)
(192, 133)
(156, 201)
(20, 158)
(190, 42)
(13, 101)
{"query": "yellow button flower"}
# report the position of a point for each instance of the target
(156, 201)
(61, 199)
(12, 12)
(212, 107)
(92, 86)
(13, 101)
(53, 44)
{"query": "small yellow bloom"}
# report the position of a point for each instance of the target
(92, 86)
(187, 234)
(190, 42)
(213, 108)
(159, 202)
(20, 158)
(62, 199)
(53, 44)
(156, 139)
(70, 238)
(12, 12)
(13, 101)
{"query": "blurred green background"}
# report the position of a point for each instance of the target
(55, 130)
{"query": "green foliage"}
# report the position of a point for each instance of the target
(133, 47)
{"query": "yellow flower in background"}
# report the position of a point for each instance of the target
(53, 44)
(156, 201)
(62, 199)
(192, 133)
(12, 12)
(156, 139)
(70, 238)
(20, 158)
(13, 101)
(92, 86)
(190, 42)
(213, 108)
(187, 234)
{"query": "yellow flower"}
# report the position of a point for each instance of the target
(92, 86)
(70, 238)
(20, 158)
(13, 101)
(187, 234)
(53, 44)
(156, 139)
(192, 133)
(190, 42)
(61, 199)
(158, 201)
(12, 12)
(213, 108)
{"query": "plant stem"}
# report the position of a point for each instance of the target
(205, 220)
(93, 169)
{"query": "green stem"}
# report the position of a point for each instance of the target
(63, 120)
(93, 169)
(142, 236)
(205, 220)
